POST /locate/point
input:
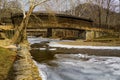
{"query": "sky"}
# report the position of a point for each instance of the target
(62, 5)
(67, 4)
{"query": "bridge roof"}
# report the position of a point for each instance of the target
(54, 14)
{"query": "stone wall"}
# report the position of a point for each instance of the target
(24, 67)
(65, 33)
(90, 35)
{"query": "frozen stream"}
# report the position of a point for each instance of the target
(79, 66)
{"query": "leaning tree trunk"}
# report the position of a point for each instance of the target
(20, 34)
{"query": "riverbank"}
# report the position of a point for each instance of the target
(16, 63)
(90, 43)
(85, 48)
(42, 53)
(60, 62)
(43, 45)
(24, 66)
(7, 59)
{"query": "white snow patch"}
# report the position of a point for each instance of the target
(55, 44)
(33, 40)
(82, 55)
(52, 49)
(42, 48)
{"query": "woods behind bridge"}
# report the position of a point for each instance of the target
(104, 13)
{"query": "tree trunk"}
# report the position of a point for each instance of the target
(99, 16)
(107, 13)
(20, 34)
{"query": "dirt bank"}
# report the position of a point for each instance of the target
(91, 43)
(7, 59)
(24, 66)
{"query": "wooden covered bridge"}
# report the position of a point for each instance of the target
(59, 25)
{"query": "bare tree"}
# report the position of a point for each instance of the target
(107, 12)
(21, 31)
(8, 7)
(2, 7)
(111, 5)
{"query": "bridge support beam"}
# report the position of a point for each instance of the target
(99, 34)
(82, 34)
(49, 32)
(90, 35)
(65, 33)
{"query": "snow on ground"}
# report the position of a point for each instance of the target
(56, 44)
(33, 40)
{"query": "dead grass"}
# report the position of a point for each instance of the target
(93, 43)
(7, 58)
(6, 27)
(5, 42)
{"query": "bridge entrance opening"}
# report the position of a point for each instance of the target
(49, 32)
(66, 33)
(58, 33)
(82, 34)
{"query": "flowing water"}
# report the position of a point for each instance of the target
(75, 66)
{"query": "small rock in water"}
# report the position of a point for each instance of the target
(42, 48)
(52, 49)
